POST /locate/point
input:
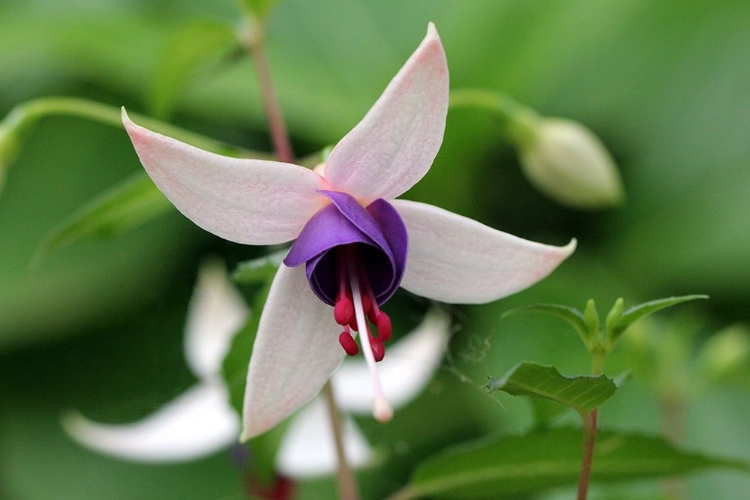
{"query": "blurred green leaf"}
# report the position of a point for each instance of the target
(582, 393)
(186, 49)
(125, 206)
(647, 308)
(256, 271)
(546, 412)
(259, 8)
(569, 314)
(546, 459)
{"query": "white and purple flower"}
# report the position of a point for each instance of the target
(357, 242)
(201, 422)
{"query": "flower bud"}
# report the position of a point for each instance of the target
(568, 163)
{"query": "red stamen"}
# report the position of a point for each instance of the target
(353, 324)
(347, 342)
(372, 316)
(378, 349)
(367, 303)
(343, 311)
(384, 327)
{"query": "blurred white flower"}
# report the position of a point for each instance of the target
(201, 421)
(568, 163)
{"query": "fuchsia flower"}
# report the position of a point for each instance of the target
(357, 242)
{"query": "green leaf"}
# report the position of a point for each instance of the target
(547, 459)
(569, 314)
(122, 207)
(642, 310)
(256, 271)
(582, 393)
(184, 52)
(259, 8)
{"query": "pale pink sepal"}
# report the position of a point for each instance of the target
(308, 447)
(404, 372)
(459, 260)
(255, 202)
(295, 352)
(394, 145)
(197, 423)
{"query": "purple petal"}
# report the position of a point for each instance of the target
(380, 236)
(395, 233)
(325, 230)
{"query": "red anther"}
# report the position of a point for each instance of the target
(343, 311)
(347, 342)
(384, 327)
(373, 316)
(378, 349)
(366, 303)
(353, 324)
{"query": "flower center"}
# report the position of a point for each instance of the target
(354, 259)
(355, 306)
(352, 277)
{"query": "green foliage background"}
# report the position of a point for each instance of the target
(98, 325)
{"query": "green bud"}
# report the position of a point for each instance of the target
(568, 163)
(591, 318)
(613, 318)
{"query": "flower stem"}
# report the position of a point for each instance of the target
(253, 40)
(590, 430)
(589, 440)
(515, 118)
(24, 116)
(347, 482)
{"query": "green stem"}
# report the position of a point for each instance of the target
(517, 119)
(597, 362)
(25, 115)
(347, 482)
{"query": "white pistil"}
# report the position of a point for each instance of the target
(381, 408)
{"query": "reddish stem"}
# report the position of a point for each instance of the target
(589, 440)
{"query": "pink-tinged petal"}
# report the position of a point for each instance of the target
(406, 369)
(394, 145)
(459, 260)
(197, 423)
(295, 352)
(308, 448)
(255, 202)
(216, 312)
